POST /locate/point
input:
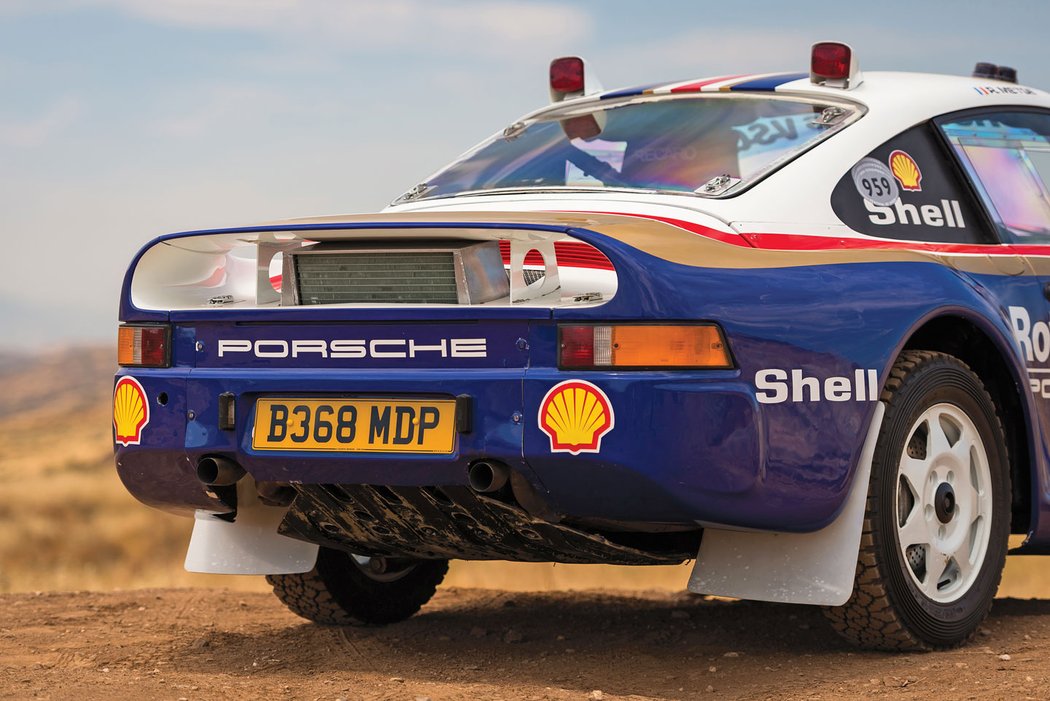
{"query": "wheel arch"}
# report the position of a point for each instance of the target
(991, 356)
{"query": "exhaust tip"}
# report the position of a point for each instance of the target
(487, 476)
(216, 471)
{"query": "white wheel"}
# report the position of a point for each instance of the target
(944, 503)
(938, 512)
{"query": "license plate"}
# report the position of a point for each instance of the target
(356, 425)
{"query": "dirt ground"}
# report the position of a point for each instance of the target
(496, 631)
(484, 644)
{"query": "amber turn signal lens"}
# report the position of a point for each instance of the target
(143, 346)
(668, 346)
(643, 346)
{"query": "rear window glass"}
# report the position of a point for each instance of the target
(1007, 157)
(671, 144)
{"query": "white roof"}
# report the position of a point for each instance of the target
(796, 198)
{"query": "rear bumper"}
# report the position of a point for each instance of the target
(685, 448)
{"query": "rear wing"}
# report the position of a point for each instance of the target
(532, 260)
(253, 268)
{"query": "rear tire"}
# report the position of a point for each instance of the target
(343, 590)
(938, 512)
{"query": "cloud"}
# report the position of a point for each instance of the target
(40, 129)
(222, 104)
(717, 51)
(498, 27)
(733, 49)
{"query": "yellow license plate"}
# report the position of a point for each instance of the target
(356, 425)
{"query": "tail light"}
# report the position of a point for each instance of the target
(642, 346)
(144, 346)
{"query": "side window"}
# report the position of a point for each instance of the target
(1007, 157)
(905, 189)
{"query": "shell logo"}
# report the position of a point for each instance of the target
(906, 170)
(575, 415)
(130, 411)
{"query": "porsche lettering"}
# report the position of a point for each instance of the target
(356, 348)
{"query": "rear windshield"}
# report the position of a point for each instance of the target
(709, 145)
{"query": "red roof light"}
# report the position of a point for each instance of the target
(830, 61)
(567, 74)
(833, 64)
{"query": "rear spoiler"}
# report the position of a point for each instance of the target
(227, 269)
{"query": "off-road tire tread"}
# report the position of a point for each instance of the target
(336, 593)
(870, 619)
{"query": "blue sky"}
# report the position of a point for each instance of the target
(124, 119)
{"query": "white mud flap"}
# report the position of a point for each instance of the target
(248, 545)
(793, 568)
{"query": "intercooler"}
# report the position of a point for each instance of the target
(450, 272)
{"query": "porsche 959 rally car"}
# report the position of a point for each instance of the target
(793, 326)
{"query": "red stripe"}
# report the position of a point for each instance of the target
(582, 255)
(806, 242)
(571, 254)
(695, 87)
(802, 242)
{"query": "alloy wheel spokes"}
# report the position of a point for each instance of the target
(943, 502)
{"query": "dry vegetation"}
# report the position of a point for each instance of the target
(69, 524)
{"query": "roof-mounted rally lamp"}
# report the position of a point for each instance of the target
(834, 65)
(570, 77)
(994, 72)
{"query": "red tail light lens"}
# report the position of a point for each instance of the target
(577, 347)
(144, 346)
(567, 74)
(830, 61)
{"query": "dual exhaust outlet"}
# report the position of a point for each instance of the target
(216, 471)
(484, 476)
(487, 476)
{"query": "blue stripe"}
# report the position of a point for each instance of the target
(629, 92)
(769, 83)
